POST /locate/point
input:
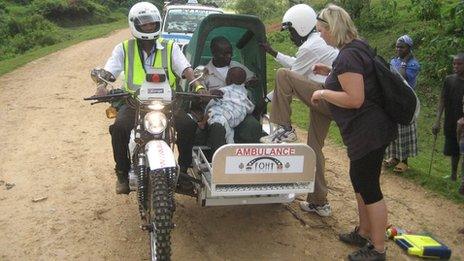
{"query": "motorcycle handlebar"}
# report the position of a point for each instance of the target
(111, 97)
(197, 95)
(106, 98)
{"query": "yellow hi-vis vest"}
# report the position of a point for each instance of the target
(134, 72)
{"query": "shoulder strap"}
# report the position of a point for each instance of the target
(372, 54)
(368, 50)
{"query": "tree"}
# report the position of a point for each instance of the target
(355, 7)
(247, 7)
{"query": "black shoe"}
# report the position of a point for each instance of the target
(353, 238)
(122, 183)
(185, 185)
(122, 187)
(367, 253)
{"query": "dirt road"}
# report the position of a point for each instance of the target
(55, 148)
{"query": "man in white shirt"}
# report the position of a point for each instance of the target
(248, 131)
(297, 78)
(134, 57)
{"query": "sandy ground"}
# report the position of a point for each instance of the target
(55, 148)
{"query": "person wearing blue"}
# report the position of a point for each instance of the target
(405, 145)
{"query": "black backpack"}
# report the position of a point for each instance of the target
(400, 101)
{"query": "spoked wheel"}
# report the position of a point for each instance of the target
(161, 212)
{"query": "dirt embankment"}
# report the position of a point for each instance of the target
(55, 148)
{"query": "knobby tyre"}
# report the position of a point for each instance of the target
(161, 213)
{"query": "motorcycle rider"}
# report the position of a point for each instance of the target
(297, 78)
(134, 56)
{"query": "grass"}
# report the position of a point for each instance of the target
(419, 165)
(76, 35)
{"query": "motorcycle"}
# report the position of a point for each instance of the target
(237, 174)
(154, 172)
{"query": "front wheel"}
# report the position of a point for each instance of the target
(161, 212)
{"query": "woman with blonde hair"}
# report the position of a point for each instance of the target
(354, 96)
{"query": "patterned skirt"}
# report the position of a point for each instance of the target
(405, 145)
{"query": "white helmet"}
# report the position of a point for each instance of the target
(301, 17)
(144, 13)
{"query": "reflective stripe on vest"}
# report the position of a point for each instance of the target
(163, 59)
(133, 66)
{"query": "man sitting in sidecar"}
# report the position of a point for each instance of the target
(214, 136)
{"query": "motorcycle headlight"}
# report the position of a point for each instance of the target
(155, 122)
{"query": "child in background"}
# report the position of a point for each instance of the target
(234, 105)
(451, 104)
(460, 136)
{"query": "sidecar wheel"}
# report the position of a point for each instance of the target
(161, 213)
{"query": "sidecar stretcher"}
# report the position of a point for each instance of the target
(242, 174)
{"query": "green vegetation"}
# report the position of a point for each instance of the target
(30, 29)
(31, 24)
(78, 34)
(437, 28)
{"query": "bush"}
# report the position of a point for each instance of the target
(247, 7)
(261, 8)
(456, 18)
(48, 8)
(68, 12)
(31, 24)
(427, 9)
(113, 4)
(3, 29)
(436, 60)
(277, 37)
(127, 4)
(21, 34)
(355, 7)
(378, 17)
(22, 2)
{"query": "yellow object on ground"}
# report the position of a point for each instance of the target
(423, 246)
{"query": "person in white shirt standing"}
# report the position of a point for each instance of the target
(298, 79)
(135, 56)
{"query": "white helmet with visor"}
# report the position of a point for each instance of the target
(141, 15)
(301, 17)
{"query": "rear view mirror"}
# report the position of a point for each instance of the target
(99, 75)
